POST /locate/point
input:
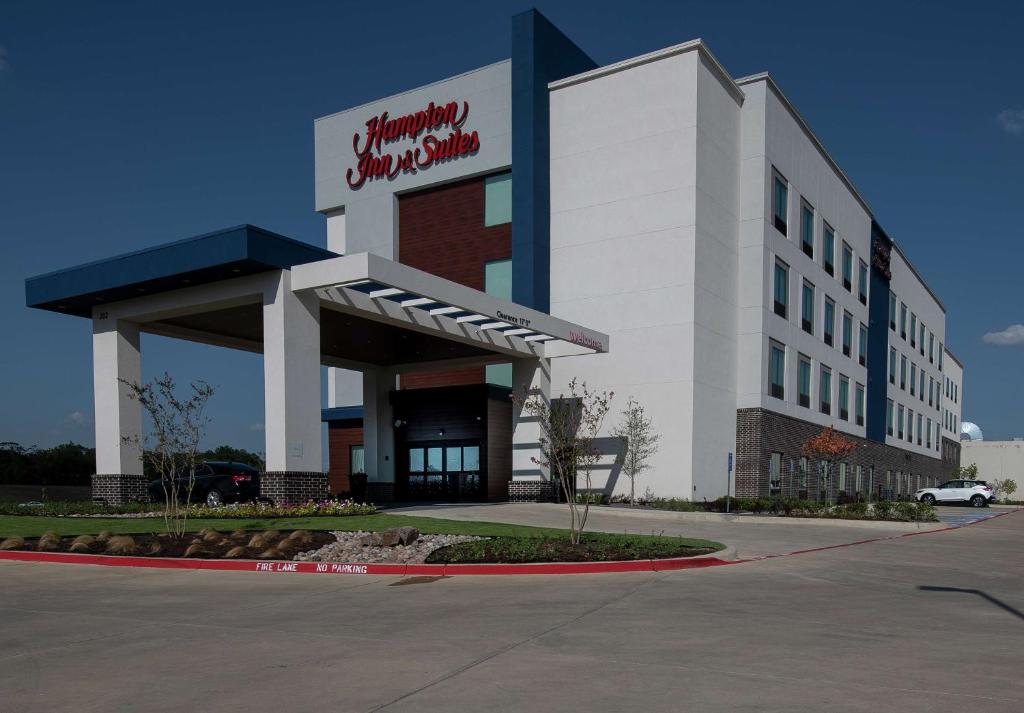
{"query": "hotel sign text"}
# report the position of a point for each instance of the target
(376, 161)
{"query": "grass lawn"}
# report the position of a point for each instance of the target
(32, 526)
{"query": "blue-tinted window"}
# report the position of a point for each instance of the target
(780, 203)
(498, 283)
(498, 199)
(777, 370)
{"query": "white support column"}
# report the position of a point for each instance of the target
(291, 377)
(116, 356)
(532, 378)
(379, 430)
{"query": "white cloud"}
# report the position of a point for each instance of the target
(256, 427)
(1012, 335)
(1012, 120)
(78, 418)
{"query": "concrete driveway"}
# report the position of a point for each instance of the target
(924, 623)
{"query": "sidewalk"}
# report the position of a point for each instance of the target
(744, 535)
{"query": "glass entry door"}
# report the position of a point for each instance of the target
(443, 471)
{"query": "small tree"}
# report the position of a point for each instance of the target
(568, 430)
(828, 446)
(639, 443)
(178, 426)
(1004, 488)
(966, 472)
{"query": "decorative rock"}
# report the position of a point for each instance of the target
(367, 547)
(13, 543)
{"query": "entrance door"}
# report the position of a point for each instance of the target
(443, 470)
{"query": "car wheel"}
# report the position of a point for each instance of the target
(978, 501)
(928, 499)
(214, 498)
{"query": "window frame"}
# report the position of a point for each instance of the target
(862, 281)
(847, 267)
(807, 311)
(828, 248)
(776, 390)
(804, 361)
(806, 231)
(781, 308)
(828, 332)
(781, 224)
(825, 390)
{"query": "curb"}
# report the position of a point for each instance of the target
(436, 570)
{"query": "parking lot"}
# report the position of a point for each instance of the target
(921, 623)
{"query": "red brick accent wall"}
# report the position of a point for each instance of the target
(341, 435)
(441, 231)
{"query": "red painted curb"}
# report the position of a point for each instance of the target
(443, 570)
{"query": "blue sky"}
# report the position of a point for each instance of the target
(124, 125)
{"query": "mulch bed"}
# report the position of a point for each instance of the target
(208, 544)
(523, 550)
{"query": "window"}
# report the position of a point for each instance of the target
(781, 288)
(903, 321)
(858, 404)
(807, 308)
(910, 425)
(920, 341)
(844, 398)
(903, 371)
(892, 366)
(931, 391)
(780, 202)
(842, 478)
(913, 329)
(498, 283)
(899, 422)
(356, 459)
(931, 347)
(859, 471)
(892, 311)
(830, 321)
(828, 249)
(777, 370)
(498, 199)
(913, 377)
(775, 474)
(807, 229)
(941, 350)
(802, 477)
(825, 387)
(862, 345)
(847, 267)
(920, 390)
(888, 416)
(920, 418)
(862, 282)
(804, 381)
(847, 333)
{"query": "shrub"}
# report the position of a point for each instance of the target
(311, 508)
(883, 509)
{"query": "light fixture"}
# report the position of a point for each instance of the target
(441, 432)
(398, 423)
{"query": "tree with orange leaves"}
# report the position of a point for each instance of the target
(828, 446)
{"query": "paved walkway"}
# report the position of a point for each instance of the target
(931, 623)
(747, 536)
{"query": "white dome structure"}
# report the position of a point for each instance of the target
(970, 432)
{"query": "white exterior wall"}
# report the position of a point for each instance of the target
(772, 137)
(996, 460)
(909, 290)
(642, 228)
(366, 219)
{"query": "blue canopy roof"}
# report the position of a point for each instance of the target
(221, 255)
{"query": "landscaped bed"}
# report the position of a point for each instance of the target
(404, 545)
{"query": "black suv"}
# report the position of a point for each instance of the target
(216, 483)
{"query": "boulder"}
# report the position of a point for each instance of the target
(399, 536)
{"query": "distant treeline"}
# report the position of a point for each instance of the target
(74, 464)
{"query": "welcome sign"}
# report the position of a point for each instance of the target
(376, 160)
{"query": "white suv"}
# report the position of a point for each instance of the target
(976, 492)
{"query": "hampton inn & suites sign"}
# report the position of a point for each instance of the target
(377, 158)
